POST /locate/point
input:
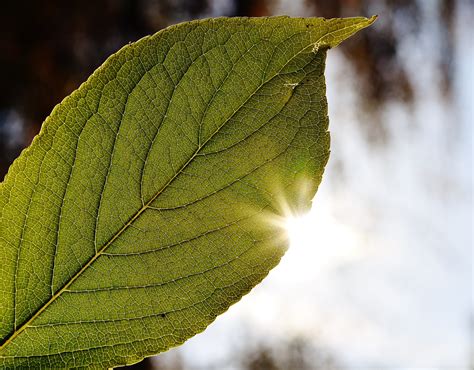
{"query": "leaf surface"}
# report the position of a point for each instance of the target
(146, 206)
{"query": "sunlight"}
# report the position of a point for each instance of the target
(299, 229)
(318, 240)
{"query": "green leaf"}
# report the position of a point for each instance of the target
(150, 201)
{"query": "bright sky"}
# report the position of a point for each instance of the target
(380, 271)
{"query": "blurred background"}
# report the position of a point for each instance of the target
(379, 273)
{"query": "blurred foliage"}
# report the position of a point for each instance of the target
(295, 354)
(292, 354)
(377, 56)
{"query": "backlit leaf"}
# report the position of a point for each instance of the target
(153, 197)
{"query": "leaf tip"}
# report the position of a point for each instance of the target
(372, 19)
(341, 29)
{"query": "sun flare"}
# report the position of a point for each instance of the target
(318, 240)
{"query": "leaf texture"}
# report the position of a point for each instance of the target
(146, 205)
